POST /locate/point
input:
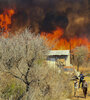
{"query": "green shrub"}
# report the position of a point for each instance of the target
(12, 90)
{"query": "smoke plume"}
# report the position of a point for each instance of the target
(46, 15)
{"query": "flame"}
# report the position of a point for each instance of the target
(55, 39)
(57, 42)
(5, 21)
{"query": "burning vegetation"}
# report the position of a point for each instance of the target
(64, 23)
(5, 21)
(61, 43)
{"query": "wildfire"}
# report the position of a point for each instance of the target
(5, 21)
(55, 39)
(57, 42)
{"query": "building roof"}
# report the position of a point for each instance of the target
(59, 52)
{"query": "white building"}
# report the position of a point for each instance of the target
(63, 55)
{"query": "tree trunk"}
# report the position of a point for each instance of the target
(20, 97)
(27, 89)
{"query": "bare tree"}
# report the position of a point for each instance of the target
(79, 56)
(18, 55)
(24, 57)
(51, 86)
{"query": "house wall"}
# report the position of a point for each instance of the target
(52, 60)
(68, 60)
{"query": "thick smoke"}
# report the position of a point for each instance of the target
(46, 15)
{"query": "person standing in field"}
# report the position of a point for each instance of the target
(81, 78)
(84, 86)
(75, 87)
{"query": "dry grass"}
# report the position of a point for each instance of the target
(85, 69)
